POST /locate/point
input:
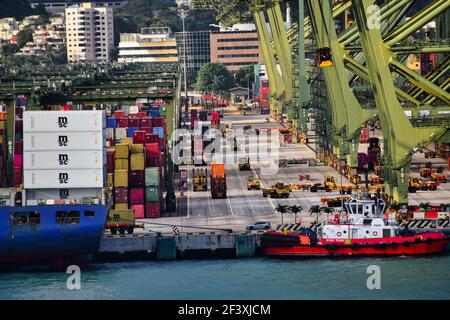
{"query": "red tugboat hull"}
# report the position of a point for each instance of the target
(292, 245)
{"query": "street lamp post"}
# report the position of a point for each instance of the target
(183, 12)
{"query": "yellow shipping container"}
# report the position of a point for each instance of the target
(137, 161)
(128, 141)
(1, 139)
(121, 206)
(121, 178)
(2, 124)
(122, 151)
(110, 180)
(121, 164)
(137, 148)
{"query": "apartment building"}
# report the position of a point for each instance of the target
(90, 32)
(235, 48)
(51, 36)
(153, 44)
(9, 27)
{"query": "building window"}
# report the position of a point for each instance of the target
(68, 217)
(26, 218)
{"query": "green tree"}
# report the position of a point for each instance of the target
(327, 210)
(282, 209)
(244, 76)
(228, 12)
(214, 78)
(8, 49)
(24, 36)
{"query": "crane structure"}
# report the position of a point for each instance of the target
(413, 109)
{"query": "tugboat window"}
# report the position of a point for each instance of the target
(26, 218)
(68, 217)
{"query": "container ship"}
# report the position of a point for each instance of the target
(53, 206)
(365, 232)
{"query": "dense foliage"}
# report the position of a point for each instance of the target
(214, 78)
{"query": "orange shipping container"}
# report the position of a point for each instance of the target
(217, 170)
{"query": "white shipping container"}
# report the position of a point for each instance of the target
(64, 121)
(419, 215)
(63, 141)
(121, 133)
(65, 195)
(50, 179)
(109, 133)
(64, 160)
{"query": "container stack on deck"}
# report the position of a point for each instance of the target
(64, 157)
(135, 159)
(21, 103)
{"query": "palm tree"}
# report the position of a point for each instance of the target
(327, 210)
(425, 206)
(282, 209)
(295, 210)
(314, 209)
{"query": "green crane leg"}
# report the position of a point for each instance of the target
(347, 114)
(400, 138)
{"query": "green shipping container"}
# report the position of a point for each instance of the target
(152, 194)
(162, 111)
(151, 177)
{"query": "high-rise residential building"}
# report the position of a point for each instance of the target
(154, 44)
(90, 32)
(236, 48)
(198, 51)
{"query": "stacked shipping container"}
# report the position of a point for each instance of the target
(137, 143)
(64, 155)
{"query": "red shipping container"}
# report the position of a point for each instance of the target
(158, 122)
(152, 210)
(119, 114)
(141, 114)
(134, 122)
(18, 147)
(146, 122)
(151, 137)
(66, 107)
(364, 136)
(152, 150)
(18, 160)
(137, 196)
(110, 160)
(121, 195)
(122, 122)
(431, 215)
(17, 178)
(139, 137)
(215, 116)
(137, 178)
(139, 210)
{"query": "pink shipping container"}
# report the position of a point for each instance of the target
(288, 138)
(137, 178)
(215, 116)
(152, 210)
(364, 136)
(122, 123)
(139, 210)
(19, 125)
(18, 160)
(146, 122)
(141, 114)
(362, 160)
(158, 122)
(137, 196)
(139, 137)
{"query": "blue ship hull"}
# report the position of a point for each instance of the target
(45, 234)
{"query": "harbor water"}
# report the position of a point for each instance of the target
(254, 278)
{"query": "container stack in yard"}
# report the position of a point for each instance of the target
(138, 142)
(218, 181)
(63, 157)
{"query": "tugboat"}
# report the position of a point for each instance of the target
(362, 232)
